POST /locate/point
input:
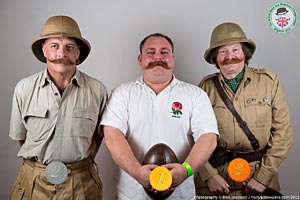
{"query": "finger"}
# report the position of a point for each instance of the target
(226, 190)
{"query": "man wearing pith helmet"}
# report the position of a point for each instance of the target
(257, 96)
(55, 116)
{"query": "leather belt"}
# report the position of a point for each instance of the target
(221, 156)
(250, 156)
(73, 168)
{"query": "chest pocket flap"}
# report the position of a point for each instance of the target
(259, 111)
(84, 113)
(84, 122)
(39, 113)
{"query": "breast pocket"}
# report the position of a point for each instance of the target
(84, 122)
(258, 111)
(37, 124)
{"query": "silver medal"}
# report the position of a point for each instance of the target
(56, 172)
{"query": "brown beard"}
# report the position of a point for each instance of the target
(231, 61)
(158, 63)
(65, 61)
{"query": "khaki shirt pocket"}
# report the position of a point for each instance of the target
(84, 122)
(258, 111)
(37, 124)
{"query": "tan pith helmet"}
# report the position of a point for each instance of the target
(227, 33)
(60, 26)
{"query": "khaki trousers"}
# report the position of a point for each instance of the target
(82, 183)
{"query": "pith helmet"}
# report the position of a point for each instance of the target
(227, 33)
(60, 26)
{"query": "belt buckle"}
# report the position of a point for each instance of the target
(56, 172)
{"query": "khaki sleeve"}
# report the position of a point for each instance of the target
(281, 137)
(207, 171)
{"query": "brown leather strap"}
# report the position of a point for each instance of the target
(250, 156)
(242, 123)
(222, 155)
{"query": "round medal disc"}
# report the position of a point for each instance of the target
(56, 172)
(160, 178)
(239, 169)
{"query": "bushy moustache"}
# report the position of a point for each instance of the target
(158, 63)
(231, 61)
(65, 61)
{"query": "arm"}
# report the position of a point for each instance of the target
(202, 150)
(279, 143)
(17, 130)
(198, 156)
(123, 156)
(98, 134)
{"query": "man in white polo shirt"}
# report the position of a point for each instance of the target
(158, 108)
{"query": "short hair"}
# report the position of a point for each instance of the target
(246, 49)
(156, 35)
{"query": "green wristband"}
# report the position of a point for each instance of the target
(188, 169)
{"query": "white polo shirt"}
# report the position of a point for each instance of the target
(177, 116)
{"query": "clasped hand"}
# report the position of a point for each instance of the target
(219, 185)
(179, 174)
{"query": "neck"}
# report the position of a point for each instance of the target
(61, 81)
(157, 87)
(230, 76)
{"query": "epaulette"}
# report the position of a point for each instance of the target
(268, 72)
(208, 77)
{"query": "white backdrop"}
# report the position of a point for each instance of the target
(115, 28)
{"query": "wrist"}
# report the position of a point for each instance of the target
(188, 168)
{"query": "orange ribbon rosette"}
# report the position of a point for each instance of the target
(239, 169)
(160, 178)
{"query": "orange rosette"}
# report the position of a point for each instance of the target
(160, 178)
(239, 169)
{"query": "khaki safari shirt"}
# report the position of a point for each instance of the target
(56, 127)
(261, 103)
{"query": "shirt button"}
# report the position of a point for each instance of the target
(237, 144)
(236, 99)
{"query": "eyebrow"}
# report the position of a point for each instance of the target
(153, 49)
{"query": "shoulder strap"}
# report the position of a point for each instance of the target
(242, 123)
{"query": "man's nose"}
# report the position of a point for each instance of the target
(230, 55)
(157, 56)
(62, 51)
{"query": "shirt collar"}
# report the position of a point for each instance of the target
(76, 79)
(140, 81)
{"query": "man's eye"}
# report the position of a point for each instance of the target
(54, 46)
(69, 47)
(222, 51)
(164, 52)
(150, 52)
(235, 50)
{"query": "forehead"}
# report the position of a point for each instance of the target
(157, 43)
(61, 40)
(232, 45)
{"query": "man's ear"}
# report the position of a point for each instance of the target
(139, 58)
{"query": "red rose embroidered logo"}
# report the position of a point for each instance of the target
(176, 109)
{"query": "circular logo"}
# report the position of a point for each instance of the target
(239, 169)
(282, 17)
(56, 172)
(160, 178)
